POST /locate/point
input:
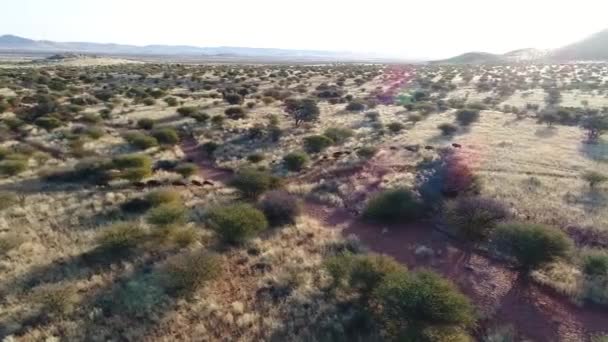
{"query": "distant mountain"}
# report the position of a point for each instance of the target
(594, 48)
(15, 43)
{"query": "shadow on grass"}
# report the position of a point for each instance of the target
(546, 132)
(597, 152)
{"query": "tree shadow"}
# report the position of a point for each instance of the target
(597, 152)
(592, 200)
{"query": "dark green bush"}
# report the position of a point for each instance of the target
(138, 298)
(447, 129)
(393, 205)
(12, 167)
(48, 122)
(166, 136)
(338, 135)
(355, 106)
(280, 208)
(140, 140)
(395, 127)
(167, 214)
(233, 99)
(316, 143)
(235, 113)
(209, 148)
(367, 152)
(255, 157)
(237, 223)
(295, 161)
(187, 111)
(465, 117)
(186, 169)
(595, 262)
(145, 123)
(410, 306)
(121, 237)
(252, 183)
(171, 101)
(162, 196)
(531, 245)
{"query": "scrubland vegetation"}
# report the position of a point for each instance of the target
(153, 202)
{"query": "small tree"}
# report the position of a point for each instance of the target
(302, 110)
(317, 143)
(474, 217)
(252, 183)
(393, 205)
(280, 208)
(295, 161)
(166, 136)
(531, 245)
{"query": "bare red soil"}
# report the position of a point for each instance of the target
(500, 294)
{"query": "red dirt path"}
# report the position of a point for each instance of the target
(499, 294)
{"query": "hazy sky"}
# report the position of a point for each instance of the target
(412, 29)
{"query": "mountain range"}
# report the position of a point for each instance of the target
(592, 48)
(11, 43)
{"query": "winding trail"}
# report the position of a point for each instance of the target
(498, 292)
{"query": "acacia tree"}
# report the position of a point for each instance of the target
(302, 110)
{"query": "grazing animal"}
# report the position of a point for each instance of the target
(429, 147)
(456, 145)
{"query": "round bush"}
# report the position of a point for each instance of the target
(355, 106)
(252, 183)
(465, 117)
(167, 214)
(393, 205)
(595, 262)
(280, 208)
(235, 113)
(145, 123)
(316, 143)
(121, 237)
(186, 169)
(166, 136)
(295, 161)
(237, 223)
(338, 135)
(140, 140)
(255, 158)
(531, 245)
(395, 127)
(447, 129)
(367, 152)
(409, 304)
(162, 196)
(13, 167)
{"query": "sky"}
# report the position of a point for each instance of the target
(423, 29)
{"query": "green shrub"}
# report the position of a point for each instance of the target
(166, 136)
(171, 101)
(338, 135)
(140, 140)
(355, 106)
(48, 122)
(393, 205)
(367, 152)
(149, 101)
(132, 160)
(395, 127)
(235, 113)
(186, 169)
(237, 223)
(252, 183)
(361, 273)
(209, 148)
(316, 143)
(162, 196)
(295, 161)
(187, 111)
(465, 117)
(531, 245)
(255, 158)
(414, 118)
(121, 237)
(12, 167)
(420, 306)
(94, 132)
(233, 98)
(447, 129)
(474, 217)
(200, 117)
(595, 262)
(190, 271)
(145, 123)
(167, 214)
(280, 208)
